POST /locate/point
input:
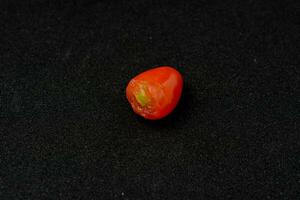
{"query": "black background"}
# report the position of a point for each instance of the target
(67, 131)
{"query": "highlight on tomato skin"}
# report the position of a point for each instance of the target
(154, 94)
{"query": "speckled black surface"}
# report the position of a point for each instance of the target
(67, 131)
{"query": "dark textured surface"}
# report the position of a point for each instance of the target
(67, 131)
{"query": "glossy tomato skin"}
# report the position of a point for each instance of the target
(155, 93)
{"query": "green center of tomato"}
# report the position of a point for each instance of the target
(142, 98)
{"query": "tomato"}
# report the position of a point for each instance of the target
(155, 93)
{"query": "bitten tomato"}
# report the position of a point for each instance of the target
(155, 93)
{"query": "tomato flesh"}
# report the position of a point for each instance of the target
(155, 93)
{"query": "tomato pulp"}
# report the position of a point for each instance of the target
(154, 94)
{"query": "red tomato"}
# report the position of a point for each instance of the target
(155, 93)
